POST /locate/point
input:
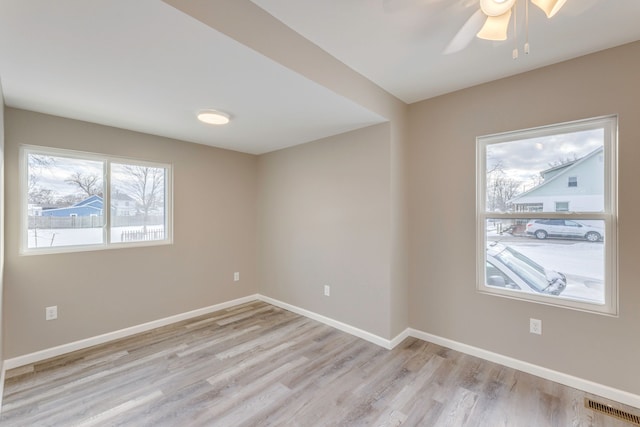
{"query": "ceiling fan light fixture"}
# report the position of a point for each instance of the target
(496, 7)
(213, 117)
(495, 27)
(549, 7)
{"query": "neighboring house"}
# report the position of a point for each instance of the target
(576, 186)
(87, 207)
(122, 204)
(34, 210)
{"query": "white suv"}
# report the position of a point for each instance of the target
(543, 228)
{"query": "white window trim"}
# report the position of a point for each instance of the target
(609, 216)
(106, 160)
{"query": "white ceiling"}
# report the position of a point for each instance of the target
(399, 44)
(145, 66)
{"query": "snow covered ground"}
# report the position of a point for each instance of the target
(581, 261)
(43, 238)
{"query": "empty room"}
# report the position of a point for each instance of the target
(319, 213)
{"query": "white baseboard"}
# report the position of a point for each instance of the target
(539, 371)
(122, 333)
(368, 336)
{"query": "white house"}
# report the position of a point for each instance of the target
(576, 186)
(123, 204)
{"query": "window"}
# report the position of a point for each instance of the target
(65, 193)
(538, 239)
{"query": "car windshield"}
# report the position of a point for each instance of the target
(529, 271)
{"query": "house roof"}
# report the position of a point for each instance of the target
(122, 196)
(568, 167)
(91, 200)
(558, 167)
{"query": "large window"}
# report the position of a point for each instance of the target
(540, 239)
(65, 194)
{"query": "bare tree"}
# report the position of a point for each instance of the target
(146, 187)
(36, 164)
(500, 189)
(90, 184)
(42, 196)
(68, 200)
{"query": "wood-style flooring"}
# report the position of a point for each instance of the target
(259, 365)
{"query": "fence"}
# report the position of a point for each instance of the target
(94, 221)
(140, 235)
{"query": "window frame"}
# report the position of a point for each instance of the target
(106, 161)
(608, 215)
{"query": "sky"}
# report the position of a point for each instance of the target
(57, 170)
(525, 158)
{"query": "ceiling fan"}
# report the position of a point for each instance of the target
(498, 14)
(493, 20)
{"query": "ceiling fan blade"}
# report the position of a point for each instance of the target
(495, 27)
(550, 7)
(466, 34)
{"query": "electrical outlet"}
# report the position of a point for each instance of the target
(236, 276)
(327, 290)
(51, 313)
(535, 326)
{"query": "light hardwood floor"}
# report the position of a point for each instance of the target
(258, 365)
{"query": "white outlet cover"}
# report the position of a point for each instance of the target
(535, 326)
(236, 276)
(51, 313)
(327, 290)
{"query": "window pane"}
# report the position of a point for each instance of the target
(541, 174)
(552, 257)
(138, 209)
(64, 198)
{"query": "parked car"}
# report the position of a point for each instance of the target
(543, 228)
(510, 269)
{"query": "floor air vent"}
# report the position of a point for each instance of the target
(617, 413)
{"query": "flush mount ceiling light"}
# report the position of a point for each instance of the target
(498, 13)
(213, 117)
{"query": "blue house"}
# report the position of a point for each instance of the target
(87, 207)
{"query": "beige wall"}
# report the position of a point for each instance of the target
(325, 219)
(102, 291)
(1, 229)
(247, 23)
(444, 301)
